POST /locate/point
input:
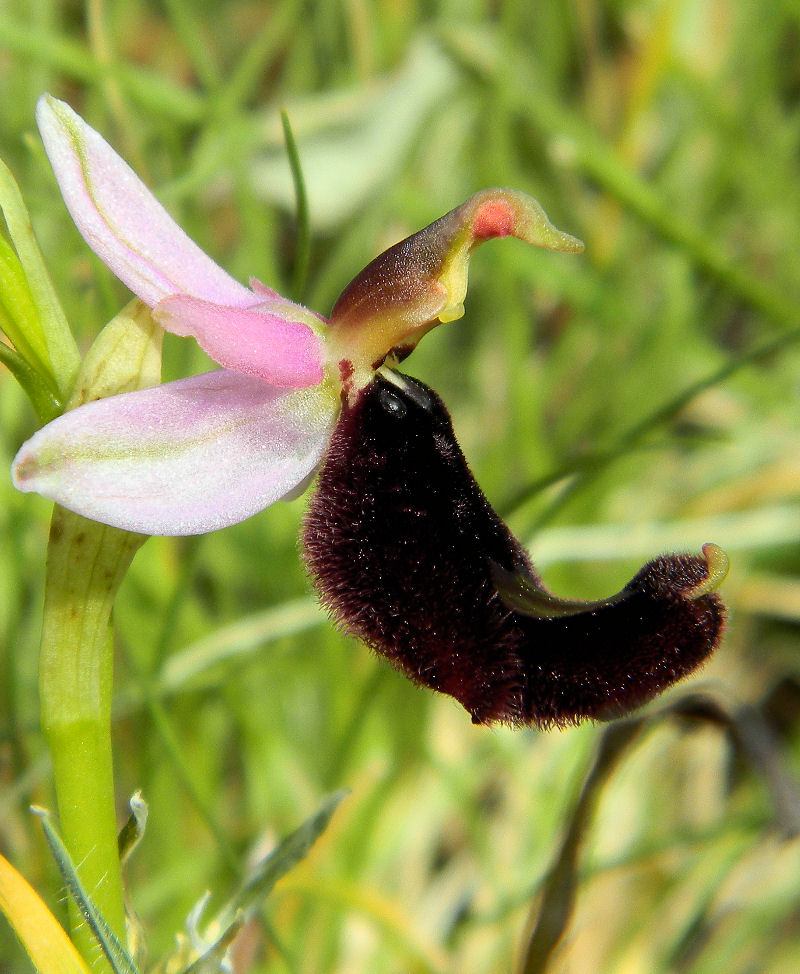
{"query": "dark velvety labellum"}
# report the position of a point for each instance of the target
(410, 557)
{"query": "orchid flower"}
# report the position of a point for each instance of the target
(403, 546)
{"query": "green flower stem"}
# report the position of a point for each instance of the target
(85, 564)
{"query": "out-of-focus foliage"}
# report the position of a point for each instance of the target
(666, 134)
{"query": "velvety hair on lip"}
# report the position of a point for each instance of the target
(409, 556)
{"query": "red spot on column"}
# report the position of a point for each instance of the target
(495, 218)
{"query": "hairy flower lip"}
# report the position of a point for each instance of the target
(409, 556)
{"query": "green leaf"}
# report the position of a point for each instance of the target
(238, 641)
(35, 386)
(61, 347)
(213, 960)
(303, 248)
(552, 912)
(247, 900)
(115, 953)
(20, 319)
(287, 854)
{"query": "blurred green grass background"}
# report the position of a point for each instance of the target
(639, 398)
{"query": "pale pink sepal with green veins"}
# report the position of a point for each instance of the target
(134, 235)
(182, 458)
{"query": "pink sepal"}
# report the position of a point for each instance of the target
(183, 458)
(122, 221)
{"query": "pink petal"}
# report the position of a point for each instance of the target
(268, 299)
(267, 341)
(183, 458)
(122, 221)
(262, 291)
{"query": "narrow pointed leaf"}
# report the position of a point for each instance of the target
(37, 389)
(303, 246)
(354, 142)
(237, 640)
(555, 904)
(62, 350)
(213, 961)
(115, 953)
(286, 855)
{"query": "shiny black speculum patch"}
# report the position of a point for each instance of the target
(409, 556)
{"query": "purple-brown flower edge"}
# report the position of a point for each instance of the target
(409, 556)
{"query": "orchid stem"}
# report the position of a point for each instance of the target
(86, 562)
